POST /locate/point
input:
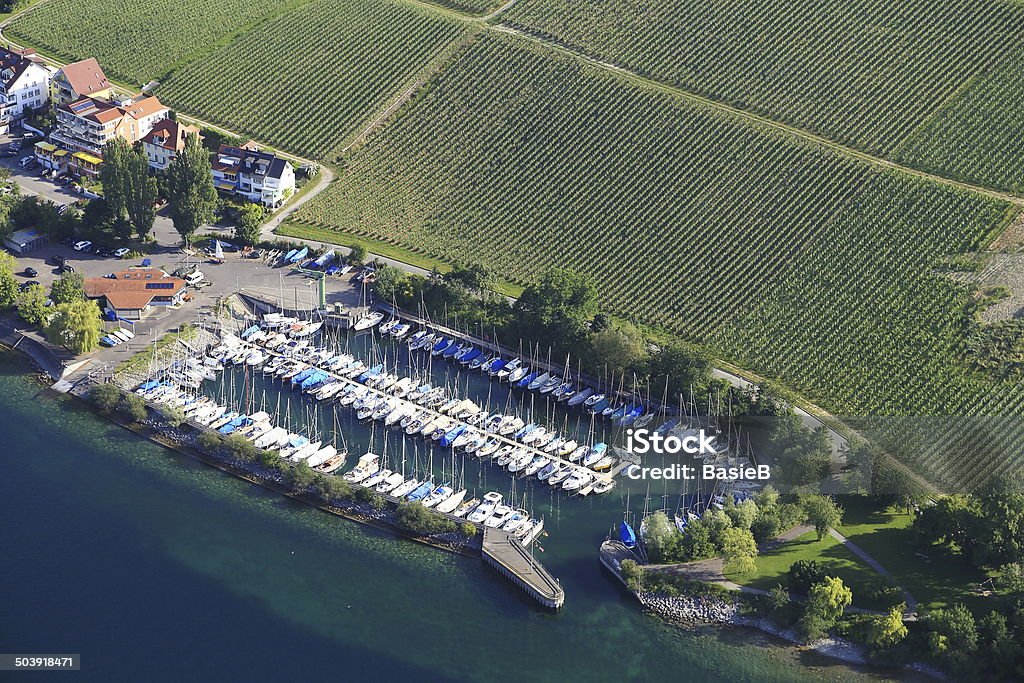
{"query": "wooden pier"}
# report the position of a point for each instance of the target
(515, 562)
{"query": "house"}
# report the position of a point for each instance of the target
(24, 85)
(261, 177)
(81, 79)
(133, 293)
(87, 124)
(163, 143)
(50, 156)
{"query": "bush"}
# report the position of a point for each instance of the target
(133, 408)
(330, 488)
(412, 516)
(105, 396)
(301, 476)
(468, 529)
(803, 574)
(209, 442)
(173, 415)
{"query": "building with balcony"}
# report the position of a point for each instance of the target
(52, 157)
(87, 124)
(165, 141)
(261, 177)
(81, 79)
(24, 85)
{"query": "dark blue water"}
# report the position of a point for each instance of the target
(155, 567)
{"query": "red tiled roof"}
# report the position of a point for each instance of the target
(86, 77)
(133, 289)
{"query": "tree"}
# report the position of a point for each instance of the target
(392, 284)
(142, 193)
(114, 174)
(75, 325)
(684, 365)
(302, 476)
(173, 415)
(132, 407)
(331, 488)
(661, 538)
(825, 604)
(31, 305)
(105, 396)
(887, 630)
(739, 551)
(619, 348)
(130, 191)
(742, 514)
(8, 283)
(192, 198)
(356, 254)
(558, 309)
(249, 224)
(803, 574)
(67, 289)
(823, 513)
(952, 634)
(1011, 578)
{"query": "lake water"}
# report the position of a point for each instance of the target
(155, 567)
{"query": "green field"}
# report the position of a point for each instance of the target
(299, 74)
(862, 72)
(139, 40)
(772, 566)
(305, 80)
(933, 577)
(977, 136)
(781, 256)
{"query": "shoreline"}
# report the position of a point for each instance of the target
(707, 610)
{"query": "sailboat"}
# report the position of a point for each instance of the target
(218, 252)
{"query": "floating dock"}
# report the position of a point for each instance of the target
(512, 559)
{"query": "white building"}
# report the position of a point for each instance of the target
(261, 177)
(165, 141)
(24, 85)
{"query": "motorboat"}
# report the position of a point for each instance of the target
(484, 510)
(368, 464)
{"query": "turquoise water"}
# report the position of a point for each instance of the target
(155, 567)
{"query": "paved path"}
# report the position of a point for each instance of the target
(873, 563)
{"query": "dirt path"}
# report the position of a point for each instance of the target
(873, 563)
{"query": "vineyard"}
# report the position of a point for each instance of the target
(306, 79)
(978, 136)
(787, 258)
(862, 72)
(138, 40)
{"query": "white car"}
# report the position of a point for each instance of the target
(122, 252)
(84, 244)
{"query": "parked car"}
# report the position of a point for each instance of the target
(67, 268)
(25, 161)
(83, 245)
(122, 252)
(57, 260)
(105, 251)
(31, 272)
(25, 285)
(11, 151)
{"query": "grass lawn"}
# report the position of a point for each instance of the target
(828, 552)
(345, 239)
(935, 577)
